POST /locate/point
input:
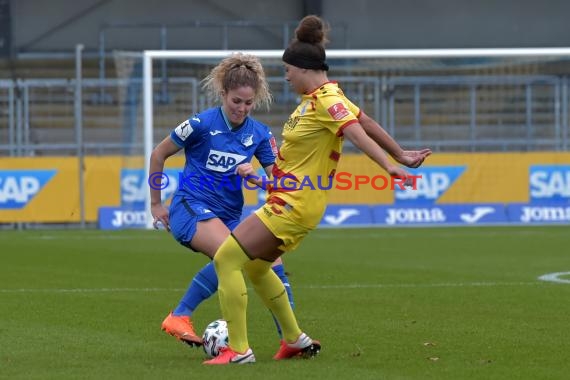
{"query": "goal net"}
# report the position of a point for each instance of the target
(452, 100)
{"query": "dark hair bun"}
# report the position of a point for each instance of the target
(312, 29)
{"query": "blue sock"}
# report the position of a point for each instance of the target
(280, 272)
(203, 285)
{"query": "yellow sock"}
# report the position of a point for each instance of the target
(272, 291)
(229, 260)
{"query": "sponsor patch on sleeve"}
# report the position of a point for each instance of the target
(274, 147)
(183, 130)
(338, 111)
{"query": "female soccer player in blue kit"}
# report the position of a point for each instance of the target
(219, 144)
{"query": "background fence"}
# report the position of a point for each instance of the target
(80, 136)
(447, 113)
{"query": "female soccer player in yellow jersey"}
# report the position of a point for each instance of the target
(312, 144)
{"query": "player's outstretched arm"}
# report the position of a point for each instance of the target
(409, 158)
(355, 133)
(158, 157)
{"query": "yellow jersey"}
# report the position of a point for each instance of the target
(308, 157)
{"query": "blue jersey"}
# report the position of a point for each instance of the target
(213, 151)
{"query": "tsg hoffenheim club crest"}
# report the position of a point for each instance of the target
(247, 140)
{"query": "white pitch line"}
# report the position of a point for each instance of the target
(94, 237)
(90, 290)
(380, 233)
(346, 286)
(555, 277)
(437, 285)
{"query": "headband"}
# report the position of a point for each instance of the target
(304, 61)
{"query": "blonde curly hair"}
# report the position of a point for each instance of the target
(238, 70)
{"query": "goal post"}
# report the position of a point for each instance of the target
(409, 74)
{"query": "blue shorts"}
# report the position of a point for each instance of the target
(184, 217)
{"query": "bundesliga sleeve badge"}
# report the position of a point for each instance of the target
(338, 111)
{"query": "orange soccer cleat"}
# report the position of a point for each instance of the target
(229, 356)
(181, 328)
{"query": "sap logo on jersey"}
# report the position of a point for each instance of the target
(432, 183)
(18, 187)
(134, 186)
(549, 182)
(223, 161)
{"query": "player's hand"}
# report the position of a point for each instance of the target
(245, 170)
(160, 215)
(400, 174)
(413, 158)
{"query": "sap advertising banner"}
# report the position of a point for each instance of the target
(431, 183)
(19, 187)
(134, 186)
(440, 215)
(549, 183)
(46, 189)
(455, 189)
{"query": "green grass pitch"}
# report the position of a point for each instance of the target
(406, 303)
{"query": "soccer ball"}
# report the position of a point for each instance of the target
(215, 337)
